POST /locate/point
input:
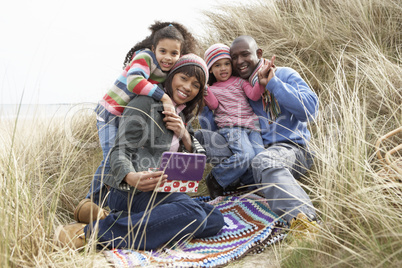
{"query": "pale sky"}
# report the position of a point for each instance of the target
(71, 51)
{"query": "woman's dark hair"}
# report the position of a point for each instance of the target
(162, 30)
(198, 102)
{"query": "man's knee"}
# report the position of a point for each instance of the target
(268, 159)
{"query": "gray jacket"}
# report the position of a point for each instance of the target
(141, 139)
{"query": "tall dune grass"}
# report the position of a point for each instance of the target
(43, 176)
(349, 52)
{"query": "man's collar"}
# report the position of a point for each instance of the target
(254, 75)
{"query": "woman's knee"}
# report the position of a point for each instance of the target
(196, 216)
(214, 221)
(117, 200)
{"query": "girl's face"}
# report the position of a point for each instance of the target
(222, 69)
(184, 88)
(167, 52)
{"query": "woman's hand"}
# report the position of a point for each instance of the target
(174, 123)
(145, 181)
(266, 72)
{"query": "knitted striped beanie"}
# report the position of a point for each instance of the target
(215, 53)
(191, 59)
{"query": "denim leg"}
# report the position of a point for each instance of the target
(236, 165)
(214, 220)
(275, 170)
(258, 145)
(206, 119)
(173, 215)
(248, 179)
(107, 135)
(256, 141)
(215, 145)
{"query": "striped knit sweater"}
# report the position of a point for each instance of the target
(229, 99)
(140, 77)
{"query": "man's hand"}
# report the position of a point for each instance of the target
(145, 181)
(266, 72)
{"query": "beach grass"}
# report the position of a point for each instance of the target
(350, 54)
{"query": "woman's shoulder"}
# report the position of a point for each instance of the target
(141, 101)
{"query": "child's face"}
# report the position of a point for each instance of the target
(184, 88)
(167, 52)
(222, 69)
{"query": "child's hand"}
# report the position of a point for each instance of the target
(145, 181)
(167, 103)
(206, 90)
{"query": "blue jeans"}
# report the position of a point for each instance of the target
(107, 134)
(206, 119)
(274, 170)
(245, 144)
(147, 220)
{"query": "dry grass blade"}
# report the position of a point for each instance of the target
(350, 52)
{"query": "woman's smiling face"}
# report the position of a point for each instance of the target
(185, 88)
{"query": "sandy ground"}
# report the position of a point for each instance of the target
(265, 259)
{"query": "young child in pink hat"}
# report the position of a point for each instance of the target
(228, 96)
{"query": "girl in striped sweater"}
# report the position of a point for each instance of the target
(145, 67)
(228, 97)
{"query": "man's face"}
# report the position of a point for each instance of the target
(244, 58)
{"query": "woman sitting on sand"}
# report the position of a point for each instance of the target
(141, 218)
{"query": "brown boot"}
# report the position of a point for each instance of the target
(71, 235)
(87, 212)
(303, 227)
